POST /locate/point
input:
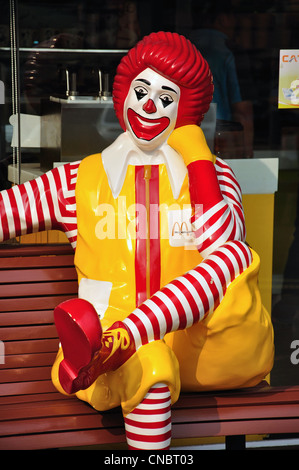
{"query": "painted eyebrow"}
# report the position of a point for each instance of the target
(164, 87)
(143, 80)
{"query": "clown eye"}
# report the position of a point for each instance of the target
(140, 92)
(166, 100)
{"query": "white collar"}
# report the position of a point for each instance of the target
(123, 152)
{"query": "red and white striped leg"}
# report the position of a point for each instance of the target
(191, 297)
(148, 426)
(181, 303)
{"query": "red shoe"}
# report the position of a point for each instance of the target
(88, 352)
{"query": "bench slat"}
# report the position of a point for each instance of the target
(69, 407)
(29, 289)
(33, 303)
(30, 262)
(35, 250)
(86, 437)
(268, 395)
(16, 256)
(198, 414)
(116, 435)
(234, 428)
(20, 407)
(52, 424)
(26, 374)
(28, 332)
(236, 413)
(32, 346)
(34, 398)
(26, 317)
(13, 276)
(24, 388)
(28, 360)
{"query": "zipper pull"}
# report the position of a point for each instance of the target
(147, 172)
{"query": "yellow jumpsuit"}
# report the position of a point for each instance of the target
(232, 348)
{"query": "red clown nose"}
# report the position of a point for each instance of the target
(149, 107)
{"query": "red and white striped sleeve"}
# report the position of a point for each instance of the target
(218, 216)
(45, 203)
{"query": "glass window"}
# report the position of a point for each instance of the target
(57, 62)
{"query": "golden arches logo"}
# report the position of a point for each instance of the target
(181, 229)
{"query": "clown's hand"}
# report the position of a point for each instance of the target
(189, 141)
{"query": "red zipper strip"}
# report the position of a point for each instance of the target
(141, 219)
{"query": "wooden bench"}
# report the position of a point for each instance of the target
(33, 415)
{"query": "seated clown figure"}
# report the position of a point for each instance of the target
(168, 296)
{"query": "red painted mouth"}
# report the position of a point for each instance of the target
(145, 128)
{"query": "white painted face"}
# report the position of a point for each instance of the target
(150, 109)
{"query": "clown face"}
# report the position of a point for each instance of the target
(150, 109)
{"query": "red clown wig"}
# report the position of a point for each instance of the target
(177, 59)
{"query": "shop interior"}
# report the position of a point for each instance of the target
(57, 85)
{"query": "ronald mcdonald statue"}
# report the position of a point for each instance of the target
(168, 296)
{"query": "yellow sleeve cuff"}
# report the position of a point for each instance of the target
(190, 142)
